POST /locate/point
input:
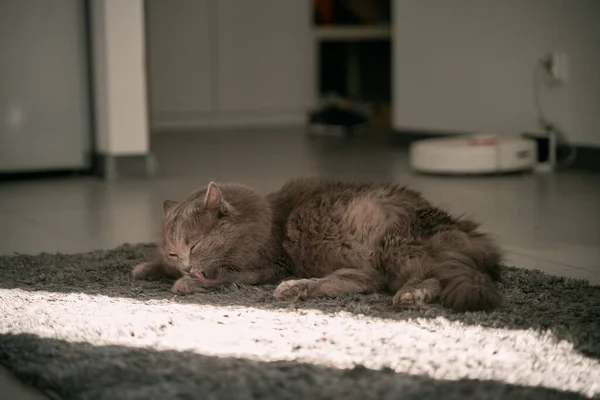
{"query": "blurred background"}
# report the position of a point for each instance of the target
(108, 107)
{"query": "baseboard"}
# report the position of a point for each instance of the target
(588, 157)
(47, 174)
(165, 122)
(406, 137)
(112, 167)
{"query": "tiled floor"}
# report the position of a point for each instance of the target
(549, 222)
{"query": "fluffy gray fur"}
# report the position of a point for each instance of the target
(327, 238)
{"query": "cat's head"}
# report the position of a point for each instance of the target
(216, 233)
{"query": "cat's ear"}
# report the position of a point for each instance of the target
(168, 206)
(214, 198)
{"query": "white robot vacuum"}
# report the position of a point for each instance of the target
(472, 155)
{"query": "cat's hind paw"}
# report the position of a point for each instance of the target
(410, 298)
(294, 289)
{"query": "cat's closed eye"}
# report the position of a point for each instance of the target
(173, 255)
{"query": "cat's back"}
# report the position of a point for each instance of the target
(335, 223)
(339, 195)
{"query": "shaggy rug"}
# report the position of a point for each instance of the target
(79, 327)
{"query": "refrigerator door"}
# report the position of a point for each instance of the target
(44, 98)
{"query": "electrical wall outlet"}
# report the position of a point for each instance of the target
(556, 67)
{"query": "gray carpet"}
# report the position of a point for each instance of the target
(78, 327)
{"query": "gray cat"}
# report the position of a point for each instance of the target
(327, 238)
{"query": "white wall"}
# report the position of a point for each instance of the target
(119, 77)
(175, 55)
(467, 65)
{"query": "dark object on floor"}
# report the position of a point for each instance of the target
(336, 112)
(337, 116)
(78, 326)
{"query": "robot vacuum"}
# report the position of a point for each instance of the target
(473, 155)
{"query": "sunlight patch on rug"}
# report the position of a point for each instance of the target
(434, 347)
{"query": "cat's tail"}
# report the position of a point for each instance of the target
(467, 264)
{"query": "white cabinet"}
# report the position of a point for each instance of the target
(228, 62)
(263, 54)
(44, 107)
(178, 44)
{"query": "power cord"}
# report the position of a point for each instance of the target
(539, 76)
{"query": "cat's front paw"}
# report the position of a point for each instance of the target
(295, 289)
(187, 285)
(148, 271)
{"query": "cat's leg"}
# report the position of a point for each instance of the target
(189, 285)
(155, 270)
(263, 274)
(408, 265)
(417, 294)
(340, 282)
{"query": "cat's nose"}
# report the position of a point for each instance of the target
(185, 265)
